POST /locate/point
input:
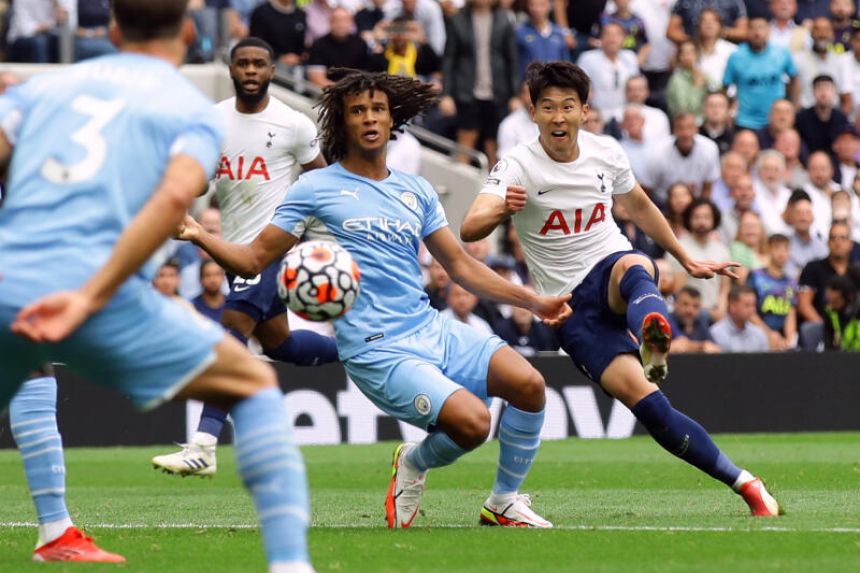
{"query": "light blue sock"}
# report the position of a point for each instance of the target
(519, 439)
(436, 450)
(33, 418)
(273, 471)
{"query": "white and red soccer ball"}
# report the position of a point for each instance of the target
(318, 280)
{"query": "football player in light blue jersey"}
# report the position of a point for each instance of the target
(106, 157)
(412, 363)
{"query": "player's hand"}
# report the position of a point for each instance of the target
(553, 310)
(188, 230)
(515, 198)
(54, 317)
(708, 269)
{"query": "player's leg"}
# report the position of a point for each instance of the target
(680, 435)
(299, 347)
(512, 378)
(632, 291)
(33, 421)
(154, 349)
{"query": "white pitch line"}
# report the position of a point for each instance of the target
(657, 528)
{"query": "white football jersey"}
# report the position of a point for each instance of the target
(567, 226)
(260, 158)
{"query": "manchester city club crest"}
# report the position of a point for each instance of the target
(410, 200)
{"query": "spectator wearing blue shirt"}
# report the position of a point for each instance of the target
(690, 331)
(776, 294)
(736, 332)
(210, 302)
(539, 39)
(757, 69)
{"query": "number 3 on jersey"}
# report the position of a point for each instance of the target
(100, 112)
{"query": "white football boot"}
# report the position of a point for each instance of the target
(405, 491)
(512, 510)
(193, 459)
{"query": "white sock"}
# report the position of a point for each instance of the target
(501, 499)
(52, 530)
(290, 567)
(745, 477)
(204, 439)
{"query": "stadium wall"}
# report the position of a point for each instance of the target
(727, 393)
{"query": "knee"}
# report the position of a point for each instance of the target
(531, 392)
(474, 429)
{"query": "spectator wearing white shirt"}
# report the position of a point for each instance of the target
(820, 187)
(743, 199)
(789, 143)
(822, 61)
(517, 127)
(845, 149)
(784, 31)
(736, 332)
(713, 51)
(771, 192)
(658, 65)
(609, 69)
(687, 157)
(656, 126)
(461, 303)
(732, 167)
(633, 138)
(805, 244)
(404, 153)
(34, 29)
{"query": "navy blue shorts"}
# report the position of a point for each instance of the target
(256, 297)
(595, 335)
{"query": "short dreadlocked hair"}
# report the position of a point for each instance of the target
(407, 98)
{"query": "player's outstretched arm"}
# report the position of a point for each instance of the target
(648, 217)
(488, 210)
(478, 278)
(247, 261)
(56, 316)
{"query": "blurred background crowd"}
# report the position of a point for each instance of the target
(740, 119)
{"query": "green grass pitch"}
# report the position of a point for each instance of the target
(619, 506)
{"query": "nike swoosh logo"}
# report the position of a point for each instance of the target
(542, 191)
(240, 289)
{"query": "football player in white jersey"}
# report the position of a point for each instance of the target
(558, 190)
(265, 145)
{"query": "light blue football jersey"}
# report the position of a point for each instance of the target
(91, 143)
(381, 224)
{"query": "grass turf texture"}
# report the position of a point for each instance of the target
(621, 506)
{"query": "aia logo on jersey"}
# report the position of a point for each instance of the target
(237, 172)
(557, 222)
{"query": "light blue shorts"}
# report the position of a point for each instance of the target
(145, 346)
(411, 378)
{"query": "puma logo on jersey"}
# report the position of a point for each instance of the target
(236, 170)
(602, 184)
(353, 194)
(557, 222)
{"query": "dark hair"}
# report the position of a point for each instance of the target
(698, 202)
(777, 238)
(172, 262)
(146, 20)
(822, 78)
(690, 291)
(252, 42)
(844, 286)
(797, 196)
(842, 222)
(739, 290)
(407, 98)
(557, 74)
(205, 264)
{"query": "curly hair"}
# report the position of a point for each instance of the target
(407, 98)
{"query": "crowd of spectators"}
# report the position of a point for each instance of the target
(740, 118)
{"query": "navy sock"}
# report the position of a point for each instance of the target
(684, 437)
(212, 419)
(640, 292)
(305, 348)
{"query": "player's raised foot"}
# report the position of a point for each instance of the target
(405, 491)
(191, 460)
(761, 503)
(656, 340)
(511, 511)
(74, 546)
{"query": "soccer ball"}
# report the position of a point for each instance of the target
(318, 280)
